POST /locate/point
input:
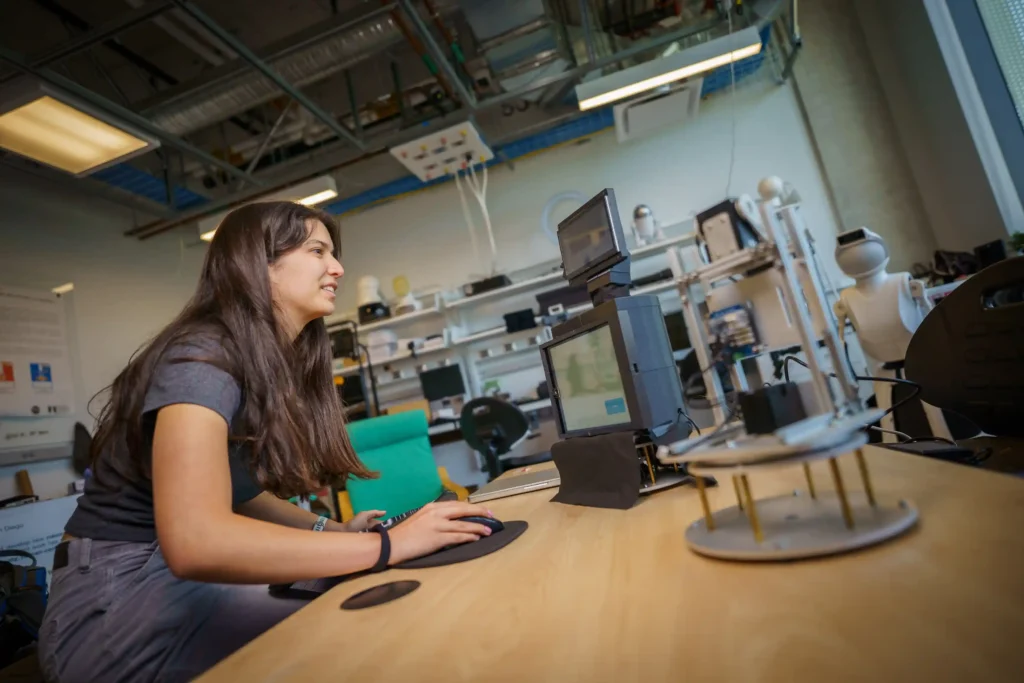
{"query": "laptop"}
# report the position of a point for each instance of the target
(528, 479)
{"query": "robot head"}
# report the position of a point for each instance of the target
(861, 253)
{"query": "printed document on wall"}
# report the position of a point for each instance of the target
(35, 362)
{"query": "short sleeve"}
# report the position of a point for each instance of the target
(193, 382)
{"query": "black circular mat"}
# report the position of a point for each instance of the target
(468, 551)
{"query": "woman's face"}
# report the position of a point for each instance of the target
(303, 281)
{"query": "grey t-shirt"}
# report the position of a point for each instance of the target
(118, 505)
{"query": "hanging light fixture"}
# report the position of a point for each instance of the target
(42, 123)
(668, 69)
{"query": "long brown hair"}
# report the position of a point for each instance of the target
(291, 413)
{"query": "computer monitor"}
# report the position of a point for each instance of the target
(591, 239)
(443, 382)
(610, 369)
(590, 391)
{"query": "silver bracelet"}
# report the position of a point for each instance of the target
(320, 524)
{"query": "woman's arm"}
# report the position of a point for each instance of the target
(203, 539)
(270, 508)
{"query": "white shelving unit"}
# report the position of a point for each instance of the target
(401, 319)
(467, 348)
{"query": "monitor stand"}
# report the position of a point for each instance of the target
(611, 284)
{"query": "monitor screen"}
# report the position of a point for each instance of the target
(586, 375)
(585, 239)
(443, 382)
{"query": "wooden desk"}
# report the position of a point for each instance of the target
(606, 595)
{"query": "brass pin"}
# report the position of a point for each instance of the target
(709, 521)
(838, 478)
(865, 477)
(647, 456)
(810, 480)
(739, 496)
(755, 523)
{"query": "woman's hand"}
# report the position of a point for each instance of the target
(434, 527)
(363, 521)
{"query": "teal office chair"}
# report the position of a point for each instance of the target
(398, 447)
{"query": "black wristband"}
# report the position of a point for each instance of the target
(385, 549)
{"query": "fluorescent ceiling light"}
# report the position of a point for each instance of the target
(64, 288)
(46, 125)
(309, 193)
(318, 197)
(673, 67)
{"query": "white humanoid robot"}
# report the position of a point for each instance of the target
(885, 310)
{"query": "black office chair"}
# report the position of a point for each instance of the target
(493, 427)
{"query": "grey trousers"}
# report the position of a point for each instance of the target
(116, 613)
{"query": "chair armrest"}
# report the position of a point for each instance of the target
(450, 485)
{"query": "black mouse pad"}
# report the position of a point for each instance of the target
(380, 594)
(468, 551)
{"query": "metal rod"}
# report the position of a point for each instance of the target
(101, 33)
(798, 313)
(517, 32)
(837, 477)
(588, 39)
(755, 523)
(865, 477)
(261, 66)
(353, 105)
(709, 521)
(739, 496)
(650, 469)
(437, 53)
(266, 141)
(122, 113)
(810, 481)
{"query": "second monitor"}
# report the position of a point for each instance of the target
(441, 383)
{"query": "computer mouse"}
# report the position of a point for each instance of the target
(489, 522)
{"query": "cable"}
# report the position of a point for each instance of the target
(906, 437)
(469, 218)
(732, 107)
(865, 378)
(480, 192)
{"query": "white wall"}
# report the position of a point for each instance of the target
(864, 162)
(677, 172)
(125, 290)
(958, 198)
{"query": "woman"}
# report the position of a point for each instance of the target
(228, 410)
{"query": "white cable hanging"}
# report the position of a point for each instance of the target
(468, 216)
(480, 192)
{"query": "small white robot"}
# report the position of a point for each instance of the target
(885, 310)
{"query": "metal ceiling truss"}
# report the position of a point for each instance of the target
(353, 145)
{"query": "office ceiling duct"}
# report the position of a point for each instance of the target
(236, 87)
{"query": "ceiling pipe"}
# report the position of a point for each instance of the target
(766, 11)
(468, 99)
(257, 63)
(306, 58)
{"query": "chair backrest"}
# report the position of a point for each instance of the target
(398, 447)
(484, 420)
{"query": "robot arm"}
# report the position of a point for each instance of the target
(918, 292)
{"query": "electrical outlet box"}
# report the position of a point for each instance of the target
(444, 152)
